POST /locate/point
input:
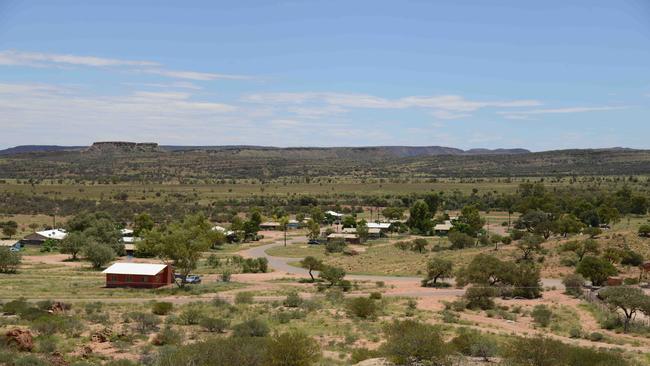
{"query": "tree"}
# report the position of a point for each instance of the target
(529, 245)
(419, 219)
(142, 223)
(525, 281)
(581, 248)
(99, 255)
(470, 221)
(313, 229)
(362, 231)
(317, 215)
(485, 269)
(628, 299)
(183, 243)
(362, 307)
(311, 264)
(9, 260)
(573, 284)
(284, 224)
(592, 232)
(9, 228)
(437, 268)
(73, 244)
(460, 240)
(644, 230)
(432, 200)
(567, 224)
(294, 348)
(631, 258)
(419, 245)
(596, 269)
(33, 226)
(333, 275)
(536, 222)
(393, 213)
(608, 215)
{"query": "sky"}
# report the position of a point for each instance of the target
(541, 75)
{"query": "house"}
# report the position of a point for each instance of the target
(443, 229)
(129, 248)
(141, 275)
(126, 232)
(334, 214)
(270, 225)
(382, 226)
(348, 238)
(293, 224)
(13, 245)
(40, 237)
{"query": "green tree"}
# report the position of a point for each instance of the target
(581, 248)
(536, 222)
(573, 284)
(284, 225)
(317, 215)
(433, 201)
(529, 245)
(313, 229)
(142, 223)
(567, 224)
(294, 348)
(312, 264)
(183, 243)
(73, 244)
(9, 260)
(596, 269)
(410, 343)
(629, 300)
(419, 245)
(644, 230)
(460, 240)
(99, 255)
(9, 228)
(362, 231)
(438, 268)
(485, 269)
(419, 219)
(470, 221)
(393, 213)
(541, 314)
(333, 275)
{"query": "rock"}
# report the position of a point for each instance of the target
(101, 336)
(56, 359)
(86, 351)
(21, 339)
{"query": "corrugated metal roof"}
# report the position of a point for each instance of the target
(58, 234)
(147, 269)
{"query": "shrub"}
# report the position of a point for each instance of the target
(251, 328)
(573, 284)
(375, 295)
(9, 261)
(244, 297)
(217, 351)
(167, 336)
(575, 333)
(542, 315)
(361, 354)
(335, 246)
(226, 275)
(144, 322)
(411, 342)
(215, 325)
(480, 297)
(460, 240)
(294, 348)
(596, 337)
(162, 308)
(506, 240)
(362, 307)
(644, 230)
(293, 300)
(191, 315)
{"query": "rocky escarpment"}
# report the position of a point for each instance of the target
(123, 147)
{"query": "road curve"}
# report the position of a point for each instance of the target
(282, 264)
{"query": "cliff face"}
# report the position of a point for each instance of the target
(123, 147)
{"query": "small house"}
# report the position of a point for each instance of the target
(13, 245)
(40, 237)
(443, 229)
(270, 225)
(141, 275)
(293, 224)
(348, 238)
(129, 248)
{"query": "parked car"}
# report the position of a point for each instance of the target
(191, 279)
(314, 242)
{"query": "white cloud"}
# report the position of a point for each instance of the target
(37, 59)
(566, 110)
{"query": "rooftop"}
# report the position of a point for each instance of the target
(147, 269)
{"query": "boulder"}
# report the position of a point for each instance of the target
(21, 339)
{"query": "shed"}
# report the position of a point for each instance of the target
(13, 245)
(348, 238)
(40, 237)
(142, 275)
(270, 225)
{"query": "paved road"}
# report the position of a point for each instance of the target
(282, 264)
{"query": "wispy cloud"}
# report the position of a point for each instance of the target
(566, 110)
(37, 59)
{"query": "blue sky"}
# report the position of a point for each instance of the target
(534, 74)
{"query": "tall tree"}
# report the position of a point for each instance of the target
(311, 264)
(596, 269)
(73, 244)
(420, 221)
(629, 300)
(437, 268)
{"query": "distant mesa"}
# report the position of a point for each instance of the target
(123, 147)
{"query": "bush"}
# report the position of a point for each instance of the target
(162, 308)
(144, 322)
(9, 261)
(226, 275)
(573, 284)
(244, 297)
(362, 307)
(214, 325)
(375, 295)
(411, 342)
(596, 337)
(217, 351)
(506, 240)
(542, 315)
(460, 240)
(99, 255)
(293, 300)
(191, 315)
(575, 333)
(361, 354)
(251, 328)
(167, 336)
(480, 297)
(294, 348)
(335, 246)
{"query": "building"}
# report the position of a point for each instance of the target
(270, 225)
(348, 238)
(13, 245)
(443, 229)
(141, 275)
(293, 224)
(129, 249)
(383, 226)
(40, 237)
